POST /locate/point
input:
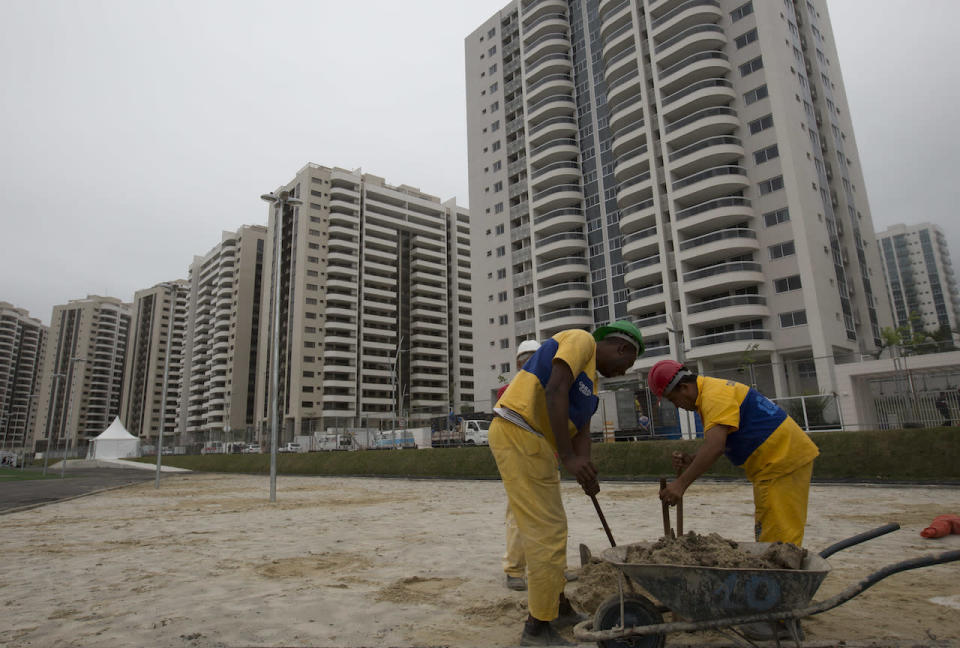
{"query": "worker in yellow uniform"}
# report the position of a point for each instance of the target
(544, 415)
(754, 432)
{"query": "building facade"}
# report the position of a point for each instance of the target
(83, 371)
(152, 337)
(22, 341)
(687, 164)
(375, 306)
(919, 277)
(223, 339)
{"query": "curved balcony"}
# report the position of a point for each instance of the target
(565, 318)
(709, 184)
(652, 325)
(637, 217)
(727, 309)
(617, 41)
(535, 8)
(547, 23)
(550, 64)
(555, 150)
(551, 84)
(696, 67)
(565, 171)
(565, 269)
(552, 106)
(719, 245)
(558, 220)
(732, 275)
(605, 7)
(570, 292)
(554, 43)
(706, 153)
(339, 405)
(645, 297)
(640, 244)
(697, 38)
(615, 19)
(553, 128)
(342, 245)
(561, 244)
(623, 88)
(631, 163)
(731, 342)
(697, 96)
(713, 214)
(642, 270)
(634, 190)
(557, 197)
(685, 16)
(709, 122)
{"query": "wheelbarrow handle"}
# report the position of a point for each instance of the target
(860, 537)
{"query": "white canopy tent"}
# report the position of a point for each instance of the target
(114, 443)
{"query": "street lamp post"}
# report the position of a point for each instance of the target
(166, 374)
(53, 407)
(63, 461)
(279, 201)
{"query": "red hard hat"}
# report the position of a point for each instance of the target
(661, 374)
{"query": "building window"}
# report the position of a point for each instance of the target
(756, 94)
(495, 146)
(492, 51)
(771, 185)
(751, 66)
(504, 319)
(781, 250)
(494, 86)
(761, 124)
(493, 68)
(776, 217)
(505, 367)
(502, 250)
(796, 318)
(492, 33)
(498, 186)
(743, 10)
(745, 39)
(766, 154)
(786, 284)
(497, 165)
(495, 126)
(498, 208)
(502, 273)
(502, 296)
(499, 229)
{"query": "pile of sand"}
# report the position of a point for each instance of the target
(714, 551)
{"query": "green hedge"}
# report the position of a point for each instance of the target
(915, 455)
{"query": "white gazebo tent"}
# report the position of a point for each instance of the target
(115, 443)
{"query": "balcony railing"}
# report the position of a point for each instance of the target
(709, 173)
(562, 119)
(653, 259)
(696, 29)
(562, 141)
(555, 166)
(704, 143)
(635, 125)
(646, 292)
(735, 201)
(679, 10)
(564, 287)
(633, 209)
(566, 312)
(554, 213)
(556, 263)
(736, 232)
(559, 76)
(732, 336)
(552, 190)
(700, 114)
(693, 58)
(639, 236)
(726, 302)
(722, 268)
(693, 87)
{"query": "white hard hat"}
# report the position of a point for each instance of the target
(527, 346)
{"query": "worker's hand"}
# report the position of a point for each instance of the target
(681, 460)
(591, 487)
(672, 493)
(580, 467)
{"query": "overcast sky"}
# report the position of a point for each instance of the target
(133, 133)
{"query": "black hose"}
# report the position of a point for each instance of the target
(860, 537)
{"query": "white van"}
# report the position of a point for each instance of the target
(475, 432)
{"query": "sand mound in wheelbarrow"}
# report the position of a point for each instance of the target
(598, 579)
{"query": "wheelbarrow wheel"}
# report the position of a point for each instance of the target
(637, 611)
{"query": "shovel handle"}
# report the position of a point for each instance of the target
(665, 508)
(603, 520)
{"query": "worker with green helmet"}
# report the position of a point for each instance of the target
(542, 417)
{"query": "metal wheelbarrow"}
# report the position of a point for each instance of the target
(722, 598)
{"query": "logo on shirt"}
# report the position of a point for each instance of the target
(584, 389)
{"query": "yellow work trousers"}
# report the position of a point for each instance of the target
(514, 562)
(781, 506)
(528, 468)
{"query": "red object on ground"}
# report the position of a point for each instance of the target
(942, 525)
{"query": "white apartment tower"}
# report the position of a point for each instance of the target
(158, 324)
(22, 340)
(83, 370)
(687, 164)
(223, 339)
(920, 278)
(375, 313)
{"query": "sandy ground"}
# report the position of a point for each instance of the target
(208, 561)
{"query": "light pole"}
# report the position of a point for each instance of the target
(166, 374)
(53, 406)
(63, 460)
(280, 202)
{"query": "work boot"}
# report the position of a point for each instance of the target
(516, 583)
(566, 615)
(541, 633)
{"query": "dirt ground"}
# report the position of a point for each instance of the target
(208, 561)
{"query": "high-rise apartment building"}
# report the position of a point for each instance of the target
(152, 335)
(83, 370)
(920, 278)
(687, 164)
(223, 339)
(375, 312)
(22, 340)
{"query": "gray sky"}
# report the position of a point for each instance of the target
(133, 133)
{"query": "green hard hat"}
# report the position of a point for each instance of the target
(624, 327)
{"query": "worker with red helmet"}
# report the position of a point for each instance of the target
(544, 415)
(755, 433)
